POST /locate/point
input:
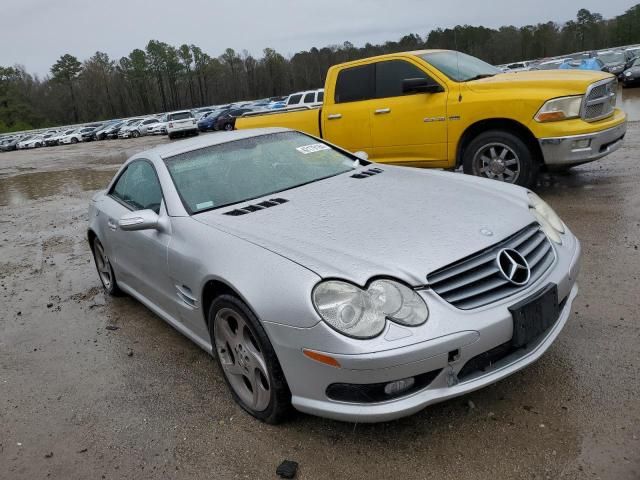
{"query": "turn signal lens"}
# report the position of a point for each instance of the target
(322, 358)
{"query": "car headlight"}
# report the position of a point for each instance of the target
(628, 74)
(363, 313)
(562, 108)
(549, 220)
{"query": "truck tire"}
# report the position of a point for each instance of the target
(503, 156)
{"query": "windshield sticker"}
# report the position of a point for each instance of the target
(314, 147)
(208, 204)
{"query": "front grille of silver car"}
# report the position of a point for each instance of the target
(600, 100)
(476, 280)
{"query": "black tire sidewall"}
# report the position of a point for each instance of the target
(113, 290)
(529, 166)
(280, 401)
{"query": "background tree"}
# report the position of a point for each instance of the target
(65, 71)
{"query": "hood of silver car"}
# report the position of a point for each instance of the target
(402, 222)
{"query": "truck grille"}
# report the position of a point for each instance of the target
(600, 100)
(476, 280)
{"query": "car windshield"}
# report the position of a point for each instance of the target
(612, 57)
(636, 62)
(242, 170)
(460, 67)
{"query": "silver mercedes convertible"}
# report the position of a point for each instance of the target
(327, 283)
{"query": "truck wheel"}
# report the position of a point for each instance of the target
(502, 156)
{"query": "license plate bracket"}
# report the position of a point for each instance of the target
(534, 315)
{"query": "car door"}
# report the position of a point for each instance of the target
(140, 257)
(407, 128)
(346, 118)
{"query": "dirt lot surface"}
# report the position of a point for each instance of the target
(79, 400)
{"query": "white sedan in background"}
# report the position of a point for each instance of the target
(33, 141)
(74, 136)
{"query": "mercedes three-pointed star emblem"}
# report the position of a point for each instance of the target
(513, 266)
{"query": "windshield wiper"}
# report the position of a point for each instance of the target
(478, 77)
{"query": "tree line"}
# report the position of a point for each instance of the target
(163, 77)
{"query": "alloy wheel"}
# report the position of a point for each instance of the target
(242, 359)
(498, 162)
(103, 265)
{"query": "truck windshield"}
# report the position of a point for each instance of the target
(242, 170)
(460, 67)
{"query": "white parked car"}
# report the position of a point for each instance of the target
(138, 128)
(181, 123)
(55, 140)
(159, 128)
(309, 98)
(32, 141)
(75, 136)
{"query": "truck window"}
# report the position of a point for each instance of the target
(320, 96)
(355, 83)
(390, 74)
(294, 99)
(310, 97)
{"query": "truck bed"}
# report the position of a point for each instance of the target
(303, 119)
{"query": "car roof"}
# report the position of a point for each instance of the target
(204, 141)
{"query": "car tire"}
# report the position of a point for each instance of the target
(135, 134)
(503, 156)
(38, 145)
(171, 136)
(74, 140)
(105, 270)
(228, 127)
(196, 133)
(259, 368)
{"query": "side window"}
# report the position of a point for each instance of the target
(320, 96)
(138, 187)
(355, 83)
(309, 97)
(294, 99)
(390, 74)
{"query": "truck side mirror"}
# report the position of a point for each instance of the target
(421, 85)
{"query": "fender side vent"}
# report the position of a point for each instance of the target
(273, 202)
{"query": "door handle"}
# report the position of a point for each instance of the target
(334, 116)
(381, 111)
(112, 225)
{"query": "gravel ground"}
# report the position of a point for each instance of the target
(80, 400)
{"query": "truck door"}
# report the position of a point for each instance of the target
(407, 128)
(346, 118)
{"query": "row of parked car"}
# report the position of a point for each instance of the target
(622, 62)
(173, 124)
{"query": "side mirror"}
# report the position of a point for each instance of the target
(420, 85)
(362, 155)
(140, 220)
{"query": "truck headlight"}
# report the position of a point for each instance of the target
(549, 220)
(363, 313)
(562, 108)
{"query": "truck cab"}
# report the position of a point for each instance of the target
(445, 109)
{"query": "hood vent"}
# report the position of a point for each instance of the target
(367, 173)
(273, 202)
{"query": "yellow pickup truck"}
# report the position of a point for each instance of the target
(445, 109)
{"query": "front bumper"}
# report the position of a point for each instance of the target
(465, 334)
(577, 149)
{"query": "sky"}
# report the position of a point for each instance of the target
(35, 33)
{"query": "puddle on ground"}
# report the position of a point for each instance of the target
(18, 189)
(629, 101)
